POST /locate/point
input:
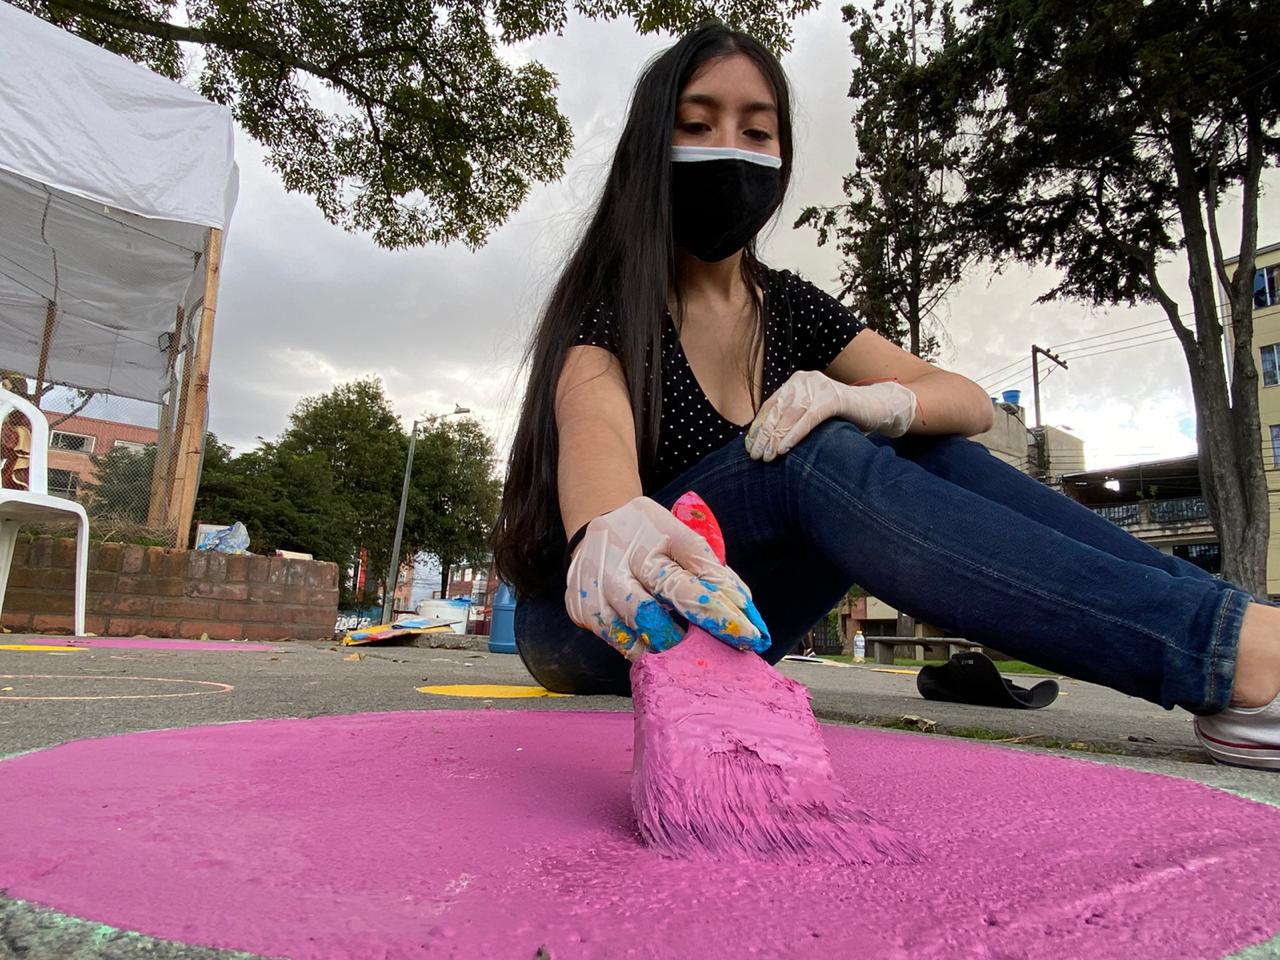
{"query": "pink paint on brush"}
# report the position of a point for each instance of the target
(147, 643)
(730, 764)
(492, 833)
(729, 760)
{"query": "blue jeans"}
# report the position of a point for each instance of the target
(948, 533)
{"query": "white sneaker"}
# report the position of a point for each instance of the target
(1243, 736)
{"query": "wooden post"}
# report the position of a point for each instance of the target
(195, 396)
(50, 315)
(158, 501)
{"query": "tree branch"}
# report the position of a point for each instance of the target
(1211, 208)
(67, 416)
(162, 30)
(1249, 203)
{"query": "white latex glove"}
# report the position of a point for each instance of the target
(636, 565)
(809, 398)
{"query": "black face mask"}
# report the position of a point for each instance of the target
(721, 197)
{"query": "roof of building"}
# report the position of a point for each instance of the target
(1165, 479)
(1269, 248)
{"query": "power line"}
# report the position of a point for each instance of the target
(1099, 336)
(1089, 348)
(1130, 346)
(1016, 376)
(1011, 363)
(1107, 338)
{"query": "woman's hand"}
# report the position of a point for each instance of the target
(636, 565)
(808, 398)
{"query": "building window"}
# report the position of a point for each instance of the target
(63, 483)
(133, 446)
(1275, 445)
(1271, 364)
(75, 442)
(1206, 556)
(1266, 286)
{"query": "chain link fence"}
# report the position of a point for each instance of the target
(132, 463)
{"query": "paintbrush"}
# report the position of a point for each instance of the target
(729, 760)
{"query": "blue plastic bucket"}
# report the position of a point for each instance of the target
(1012, 396)
(502, 623)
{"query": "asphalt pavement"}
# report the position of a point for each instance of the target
(98, 692)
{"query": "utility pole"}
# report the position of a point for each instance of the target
(393, 575)
(1035, 373)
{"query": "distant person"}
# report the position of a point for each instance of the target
(670, 358)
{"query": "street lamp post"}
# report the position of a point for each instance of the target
(393, 574)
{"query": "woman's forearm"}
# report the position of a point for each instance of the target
(950, 403)
(597, 469)
(597, 473)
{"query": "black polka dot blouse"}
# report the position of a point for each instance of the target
(804, 329)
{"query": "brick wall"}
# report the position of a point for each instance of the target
(171, 593)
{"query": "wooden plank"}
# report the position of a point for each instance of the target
(50, 315)
(195, 399)
(158, 502)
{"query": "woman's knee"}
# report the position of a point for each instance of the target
(563, 657)
(837, 444)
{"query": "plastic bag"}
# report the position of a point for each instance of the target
(234, 539)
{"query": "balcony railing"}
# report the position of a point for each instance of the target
(1175, 511)
(1123, 515)
(1182, 510)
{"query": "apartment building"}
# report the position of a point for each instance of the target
(75, 441)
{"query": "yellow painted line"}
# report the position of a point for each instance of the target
(489, 691)
(40, 648)
(909, 673)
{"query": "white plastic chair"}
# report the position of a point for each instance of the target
(35, 504)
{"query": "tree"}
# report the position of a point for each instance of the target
(121, 488)
(18, 384)
(330, 485)
(354, 432)
(1109, 132)
(403, 118)
(453, 499)
(286, 501)
(899, 235)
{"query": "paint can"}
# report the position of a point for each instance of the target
(502, 625)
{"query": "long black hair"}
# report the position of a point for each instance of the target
(625, 259)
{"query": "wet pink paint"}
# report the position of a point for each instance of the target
(147, 643)
(731, 764)
(491, 833)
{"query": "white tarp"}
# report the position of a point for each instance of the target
(110, 178)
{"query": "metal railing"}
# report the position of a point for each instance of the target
(1123, 515)
(1181, 510)
(1175, 511)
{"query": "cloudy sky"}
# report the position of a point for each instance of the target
(304, 305)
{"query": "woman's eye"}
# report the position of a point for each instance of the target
(761, 135)
(694, 126)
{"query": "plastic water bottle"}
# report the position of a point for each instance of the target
(859, 647)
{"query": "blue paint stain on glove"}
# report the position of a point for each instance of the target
(658, 626)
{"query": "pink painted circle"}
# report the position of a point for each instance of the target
(492, 833)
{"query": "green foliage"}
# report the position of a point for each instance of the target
(331, 484)
(122, 488)
(453, 502)
(899, 235)
(1083, 109)
(287, 502)
(410, 120)
(1105, 136)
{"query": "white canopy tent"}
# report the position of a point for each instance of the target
(116, 185)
